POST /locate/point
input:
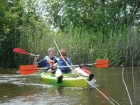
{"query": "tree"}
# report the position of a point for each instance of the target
(97, 15)
(13, 19)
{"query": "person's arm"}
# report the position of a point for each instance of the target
(35, 61)
(55, 64)
(72, 66)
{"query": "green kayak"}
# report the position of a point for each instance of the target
(69, 80)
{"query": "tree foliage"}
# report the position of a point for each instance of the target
(12, 20)
(94, 14)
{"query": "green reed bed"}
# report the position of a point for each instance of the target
(121, 47)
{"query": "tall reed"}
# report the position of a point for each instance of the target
(84, 46)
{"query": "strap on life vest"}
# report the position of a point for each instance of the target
(50, 62)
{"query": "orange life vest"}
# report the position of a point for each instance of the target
(50, 62)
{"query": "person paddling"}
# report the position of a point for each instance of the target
(50, 61)
(63, 60)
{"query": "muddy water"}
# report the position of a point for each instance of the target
(18, 89)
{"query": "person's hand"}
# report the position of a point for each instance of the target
(37, 56)
(81, 65)
(53, 67)
(35, 60)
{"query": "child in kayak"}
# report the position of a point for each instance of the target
(50, 61)
(63, 60)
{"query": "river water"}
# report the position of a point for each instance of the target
(111, 86)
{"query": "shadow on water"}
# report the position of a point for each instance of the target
(30, 90)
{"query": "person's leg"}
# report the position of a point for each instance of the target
(91, 76)
(59, 75)
(49, 71)
(81, 72)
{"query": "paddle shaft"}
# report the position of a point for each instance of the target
(32, 54)
(101, 63)
(31, 69)
(43, 68)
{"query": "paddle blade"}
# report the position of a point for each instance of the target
(28, 69)
(102, 63)
(85, 70)
(21, 51)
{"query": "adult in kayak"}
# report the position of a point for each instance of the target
(63, 60)
(50, 61)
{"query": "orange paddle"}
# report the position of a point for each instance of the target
(101, 63)
(30, 69)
